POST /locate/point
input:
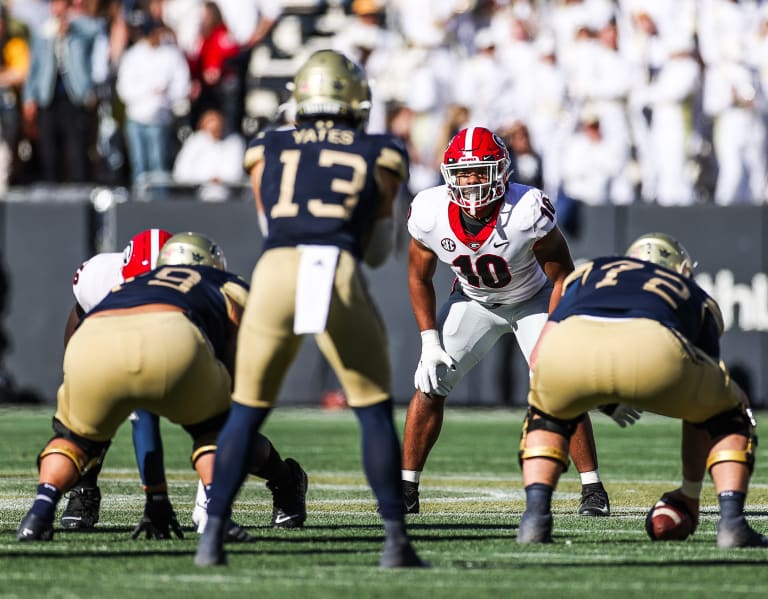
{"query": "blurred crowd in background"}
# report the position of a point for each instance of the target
(600, 101)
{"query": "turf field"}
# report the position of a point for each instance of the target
(471, 504)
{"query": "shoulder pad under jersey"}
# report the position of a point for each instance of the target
(711, 306)
(424, 207)
(533, 211)
(255, 151)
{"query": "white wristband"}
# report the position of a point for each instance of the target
(263, 225)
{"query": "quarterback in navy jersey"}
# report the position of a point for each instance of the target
(637, 330)
(333, 156)
(324, 192)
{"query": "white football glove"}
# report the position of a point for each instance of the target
(624, 414)
(432, 356)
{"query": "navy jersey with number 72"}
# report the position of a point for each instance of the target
(622, 287)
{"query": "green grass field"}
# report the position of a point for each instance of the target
(471, 503)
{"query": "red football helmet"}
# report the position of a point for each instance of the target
(479, 151)
(140, 255)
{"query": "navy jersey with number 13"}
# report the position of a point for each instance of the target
(323, 155)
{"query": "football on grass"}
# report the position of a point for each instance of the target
(665, 522)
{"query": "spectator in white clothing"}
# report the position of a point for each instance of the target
(668, 100)
(153, 83)
(732, 98)
(594, 164)
(209, 159)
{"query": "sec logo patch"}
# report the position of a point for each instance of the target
(448, 244)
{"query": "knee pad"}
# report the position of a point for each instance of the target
(94, 450)
(200, 450)
(546, 422)
(204, 435)
(732, 422)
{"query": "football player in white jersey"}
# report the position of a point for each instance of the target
(510, 259)
(91, 283)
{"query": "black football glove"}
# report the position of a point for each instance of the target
(159, 519)
(621, 413)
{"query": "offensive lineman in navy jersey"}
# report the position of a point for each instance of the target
(163, 341)
(324, 192)
(653, 343)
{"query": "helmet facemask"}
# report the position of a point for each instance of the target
(475, 168)
(491, 177)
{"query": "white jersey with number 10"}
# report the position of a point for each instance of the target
(497, 265)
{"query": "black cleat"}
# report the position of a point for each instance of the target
(411, 497)
(82, 511)
(535, 528)
(34, 528)
(235, 533)
(289, 502)
(735, 532)
(594, 500)
(210, 547)
(400, 554)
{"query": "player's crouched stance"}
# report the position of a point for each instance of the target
(653, 335)
(164, 342)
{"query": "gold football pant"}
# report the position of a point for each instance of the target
(584, 363)
(158, 361)
(354, 341)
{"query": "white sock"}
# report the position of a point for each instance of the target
(412, 475)
(588, 478)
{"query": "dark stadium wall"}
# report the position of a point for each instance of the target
(44, 242)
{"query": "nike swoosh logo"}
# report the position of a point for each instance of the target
(410, 506)
(498, 245)
(281, 519)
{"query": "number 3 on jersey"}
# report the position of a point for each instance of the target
(286, 207)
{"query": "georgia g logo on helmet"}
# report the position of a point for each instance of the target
(475, 168)
(142, 251)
